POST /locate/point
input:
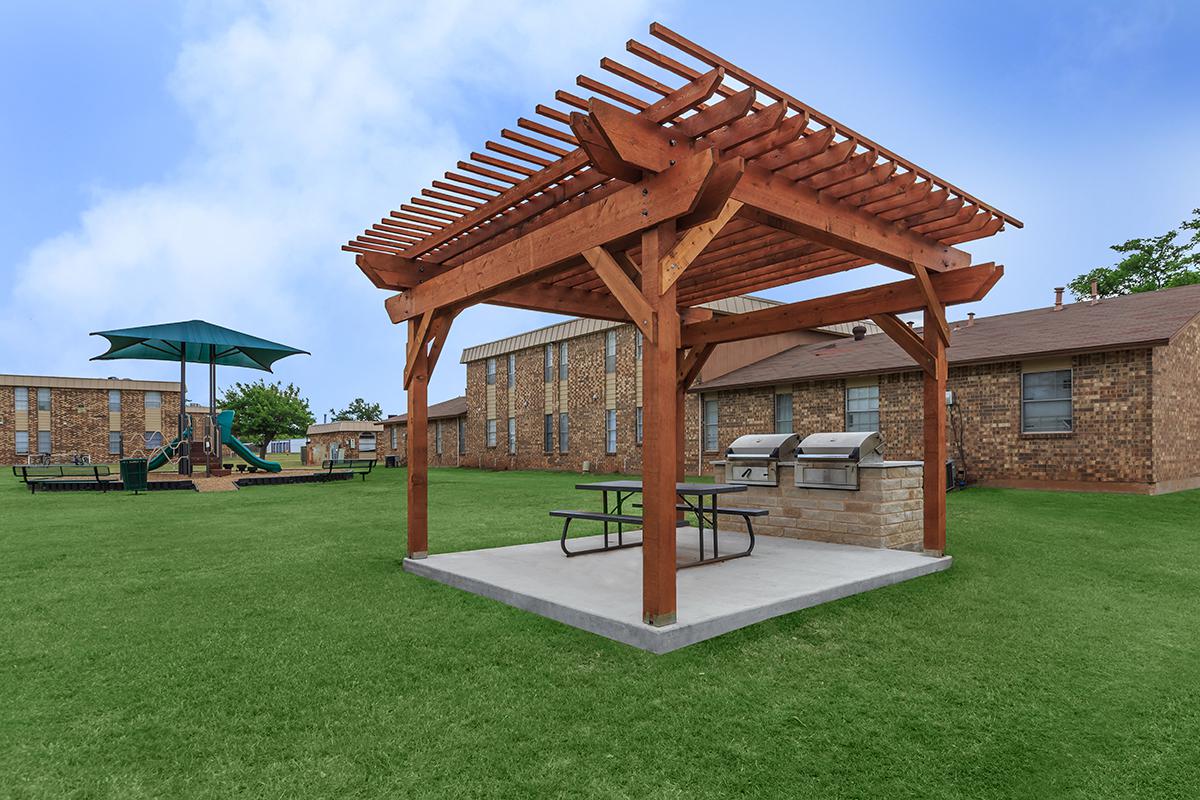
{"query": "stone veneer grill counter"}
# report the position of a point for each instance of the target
(886, 510)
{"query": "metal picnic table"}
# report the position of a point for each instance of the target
(692, 498)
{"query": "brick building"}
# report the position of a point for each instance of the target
(1083, 396)
(342, 440)
(570, 394)
(104, 419)
(447, 434)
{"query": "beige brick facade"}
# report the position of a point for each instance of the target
(884, 512)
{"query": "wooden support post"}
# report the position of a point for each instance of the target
(935, 438)
(660, 446)
(417, 446)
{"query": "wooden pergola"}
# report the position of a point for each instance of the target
(678, 181)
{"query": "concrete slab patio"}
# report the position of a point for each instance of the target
(602, 592)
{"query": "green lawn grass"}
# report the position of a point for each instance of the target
(265, 643)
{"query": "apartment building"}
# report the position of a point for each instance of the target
(447, 434)
(1082, 396)
(103, 419)
(569, 396)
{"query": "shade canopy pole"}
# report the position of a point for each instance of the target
(185, 462)
(214, 430)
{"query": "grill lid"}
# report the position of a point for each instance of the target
(762, 446)
(849, 445)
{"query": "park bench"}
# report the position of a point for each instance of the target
(353, 466)
(34, 474)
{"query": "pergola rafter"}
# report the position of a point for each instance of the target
(679, 180)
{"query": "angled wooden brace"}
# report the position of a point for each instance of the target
(622, 288)
(692, 244)
(431, 324)
(908, 340)
(937, 310)
(691, 364)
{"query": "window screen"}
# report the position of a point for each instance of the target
(1046, 402)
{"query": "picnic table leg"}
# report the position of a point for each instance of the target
(700, 523)
(604, 504)
(716, 554)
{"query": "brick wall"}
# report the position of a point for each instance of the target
(79, 423)
(449, 457)
(1177, 410)
(1111, 441)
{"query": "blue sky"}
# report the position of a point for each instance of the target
(163, 162)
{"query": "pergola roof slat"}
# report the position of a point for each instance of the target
(537, 173)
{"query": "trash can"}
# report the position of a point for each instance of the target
(134, 474)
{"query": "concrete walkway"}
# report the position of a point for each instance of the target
(602, 593)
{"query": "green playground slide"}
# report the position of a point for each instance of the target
(160, 457)
(225, 423)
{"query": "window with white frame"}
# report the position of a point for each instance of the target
(366, 442)
(610, 352)
(783, 412)
(637, 424)
(22, 443)
(862, 407)
(563, 431)
(114, 401)
(490, 367)
(512, 370)
(153, 400)
(610, 431)
(44, 441)
(548, 364)
(710, 424)
(115, 443)
(562, 361)
(437, 437)
(462, 435)
(21, 399)
(152, 439)
(548, 433)
(43, 400)
(395, 436)
(512, 435)
(1046, 402)
(491, 433)
(637, 344)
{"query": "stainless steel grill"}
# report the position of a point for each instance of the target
(830, 460)
(754, 459)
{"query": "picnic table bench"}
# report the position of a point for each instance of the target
(354, 466)
(33, 474)
(706, 515)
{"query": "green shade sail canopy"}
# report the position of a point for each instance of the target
(197, 341)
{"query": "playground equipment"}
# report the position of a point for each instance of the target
(201, 343)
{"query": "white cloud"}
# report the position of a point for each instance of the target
(310, 121)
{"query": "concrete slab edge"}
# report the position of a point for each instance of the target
(665, 640)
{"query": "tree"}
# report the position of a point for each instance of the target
(1150, 264)
(360, 410)
(265, 411)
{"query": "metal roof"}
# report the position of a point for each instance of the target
(53, 382)
(345, 426)
(571, 329)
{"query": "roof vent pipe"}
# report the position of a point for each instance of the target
(860, 332)
(1058, 292)
(1095, 292)
(970, 318)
